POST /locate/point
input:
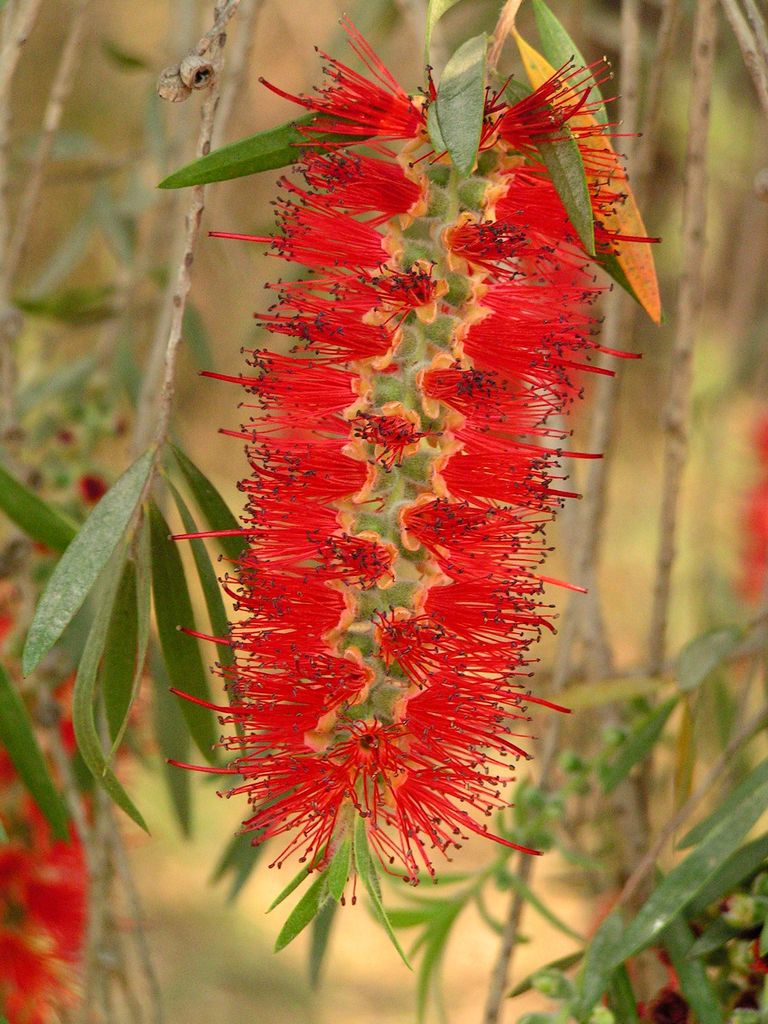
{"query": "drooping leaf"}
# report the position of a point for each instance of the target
(741, 865)
(122, 58)
(460, 103)
(366, 871)
(435, 10)
(703, 654)
(120, 652)
(211, 504)
(181, 654)
(435, 940)
(294, 883)
(318, 944)
(83, 561)
(173, 742)
(305, 910)
(623, 999)
(695, 985)
(339, 869)
(634, 260)
(538, 904)
(598, 967)
(690, 878)
(238, 860)
(31, 514)
(558, 47)
(84, 697)
(566, 169)
(217, 613)
(756, 778)
(18, 739)
(636, 746)
(561, 964)
(76, 306)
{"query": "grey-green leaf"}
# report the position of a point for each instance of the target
(31, 514)
(636, 746)
(120, 652)
(756, 778)
(339, 869)
(460, 102)
(305, 910)
(181, 654)
(84, 559)
(558, 47)
(703, 655)
(566, 169)
(318, 945)
(435, 10)
(691, 876)
(598, 964)
(367, 872)
(84, 697)
(172, 737)
(695, 985)
(238, 860)
(18, 738)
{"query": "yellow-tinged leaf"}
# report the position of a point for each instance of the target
(684, 754)
(634, 258)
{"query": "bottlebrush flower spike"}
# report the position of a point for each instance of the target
(404, 463)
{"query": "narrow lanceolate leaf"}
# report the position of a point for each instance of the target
(435, 940)
(217, 613)
(435, 10)
(339, 869)
(181, 654)
(366, 871)
(745, 789)
(17, 737)
(173, 742)
(623, 999)
(120, 652)
(84, 699)
(732, 872)
(31, 514)
(561, 964)
(460, 101)
(318, 946)
(558, 47)
(566, 169)
(83, 561)
(238, 860)
(691, 876)
(305, 910)
(265, 151)
(632, 267)
(636, 746)
(703, 655)
(211, 504)
(695, 985)
(598, 967)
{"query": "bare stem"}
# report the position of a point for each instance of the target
(677, 410)
(19, 28)
(505, 26)
(751, 48)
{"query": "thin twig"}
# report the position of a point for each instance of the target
(19, 29)
(715, 773)
(666, 39)
(677, 410)
(757, 22)
(59, 93)
(505, 26)
(237, 64)
(750, 51)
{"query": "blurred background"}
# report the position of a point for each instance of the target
(90, 282)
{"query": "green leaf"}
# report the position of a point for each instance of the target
(84, 696)
(433, 130)
(561, 964)
(636, 746)
(294, 883)
(305, 910)
(695, 986)
(435, 10)
(599, 965)
(763, 946)
(549, 915)
(367, 873)
(120, 652)
(756, 778)
(690, 878)
(566, 169)
(318, 944)
(83, 561)
(339, 869)
(738, 867)
(703, 655)
(217, 613)
(435, 942)
(18, 739)
(172, 737)
(265, 151)
(31, 514)
(713, 938)
(181, 654)
(122, 58)
(460, 103)
(239, 858)
(76, 306)
(623, 999)
(211, 504)
(559, 48)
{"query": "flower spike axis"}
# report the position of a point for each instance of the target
(404, 463)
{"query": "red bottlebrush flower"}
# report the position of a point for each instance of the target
(669, 1007)
(92, 488)
(754, 576)
(404, 463)
(42, 912)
